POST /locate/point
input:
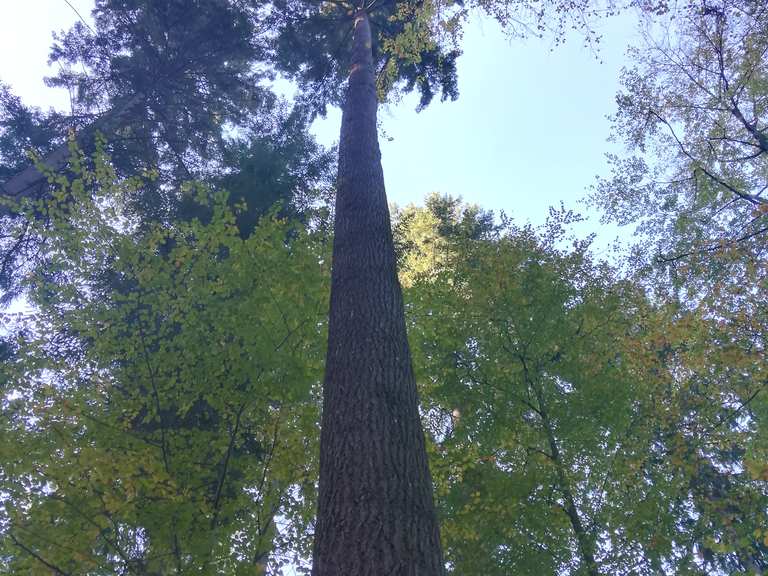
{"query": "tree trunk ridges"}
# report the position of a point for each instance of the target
(375, 511)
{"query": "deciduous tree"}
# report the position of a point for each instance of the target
(160, 408)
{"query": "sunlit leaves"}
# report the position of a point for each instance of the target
(571, 416)
(162, 401)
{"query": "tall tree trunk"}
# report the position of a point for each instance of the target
(375, 512)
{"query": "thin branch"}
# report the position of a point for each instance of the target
(736, 411)
(58, 571)
(225, 466)
(668, 260)
(68, 3)
(743, 195)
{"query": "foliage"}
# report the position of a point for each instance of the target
(424, 235)
(177, 88)
(22, 128)
(577, 427)
(412, 47)
(189, 66)
(693, 115)
(161, 405)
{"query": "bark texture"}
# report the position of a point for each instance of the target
(375, 513)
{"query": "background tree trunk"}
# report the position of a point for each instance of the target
(375, 514)
(30, 182)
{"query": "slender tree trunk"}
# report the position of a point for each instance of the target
(375, 511)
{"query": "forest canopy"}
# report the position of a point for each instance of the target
(169, 391)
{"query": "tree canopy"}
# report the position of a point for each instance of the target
(166, 389)
(161, 396)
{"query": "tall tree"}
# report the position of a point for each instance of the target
(166, 77)
(375, 512)
(693, 114)
(576, 426)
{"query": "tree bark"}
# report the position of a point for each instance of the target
(375, 512)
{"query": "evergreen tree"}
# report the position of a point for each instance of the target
(176, 88)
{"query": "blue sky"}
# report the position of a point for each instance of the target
(528, 131)
(529, 128)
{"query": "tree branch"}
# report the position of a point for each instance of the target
(58, 571)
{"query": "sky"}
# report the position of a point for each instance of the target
(528, 131)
